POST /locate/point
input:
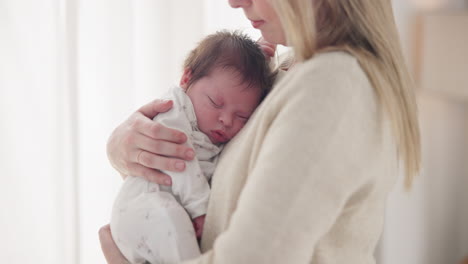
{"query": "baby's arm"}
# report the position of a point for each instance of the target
(190, 187)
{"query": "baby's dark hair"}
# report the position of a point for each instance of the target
(235, 50)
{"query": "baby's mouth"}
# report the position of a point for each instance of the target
(219, 136)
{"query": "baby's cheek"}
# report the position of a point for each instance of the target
(237, 128)
(202, 116)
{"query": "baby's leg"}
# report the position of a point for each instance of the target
(154, 227)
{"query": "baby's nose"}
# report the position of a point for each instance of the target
(225, 119)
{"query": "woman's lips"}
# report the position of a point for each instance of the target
(257, 23)
(219, 136)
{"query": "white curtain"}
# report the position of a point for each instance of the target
(37, 142)
(70, 72)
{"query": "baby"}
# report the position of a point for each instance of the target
(225, 77)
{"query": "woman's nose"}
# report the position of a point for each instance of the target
(239, 3)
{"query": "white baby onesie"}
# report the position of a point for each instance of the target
(149, 222)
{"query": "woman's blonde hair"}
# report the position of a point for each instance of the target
(366, 29)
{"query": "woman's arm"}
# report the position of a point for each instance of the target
(142, 147)
(109, 248)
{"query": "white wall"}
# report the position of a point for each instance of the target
(429, 224)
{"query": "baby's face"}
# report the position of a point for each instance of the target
(222, 104)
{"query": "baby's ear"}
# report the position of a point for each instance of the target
(185, 79)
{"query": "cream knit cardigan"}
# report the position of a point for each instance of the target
(306, 180)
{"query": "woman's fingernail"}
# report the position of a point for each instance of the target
(189, 154)
(180, 165)
(167, 181)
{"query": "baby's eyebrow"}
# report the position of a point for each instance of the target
(218, 97)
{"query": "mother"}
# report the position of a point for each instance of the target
(307, 179)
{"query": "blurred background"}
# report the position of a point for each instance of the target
(72, 70)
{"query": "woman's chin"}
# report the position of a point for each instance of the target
(273, 38)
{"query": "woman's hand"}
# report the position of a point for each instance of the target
(109, 248)
(142, 147)
(267, 48)
(198, 224)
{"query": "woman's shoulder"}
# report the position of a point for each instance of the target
(332, 82)
(336, 63)
(333, 72)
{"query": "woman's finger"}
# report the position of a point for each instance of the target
(151, 175)
(155, 107)
(156, 130)
(268, 51)
(151, 160)
(262, 42)
(164, 148)
(267, 48)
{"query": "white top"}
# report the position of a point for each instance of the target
(190, 187)
(306, 180)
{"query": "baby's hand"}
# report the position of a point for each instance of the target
(198, 223)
